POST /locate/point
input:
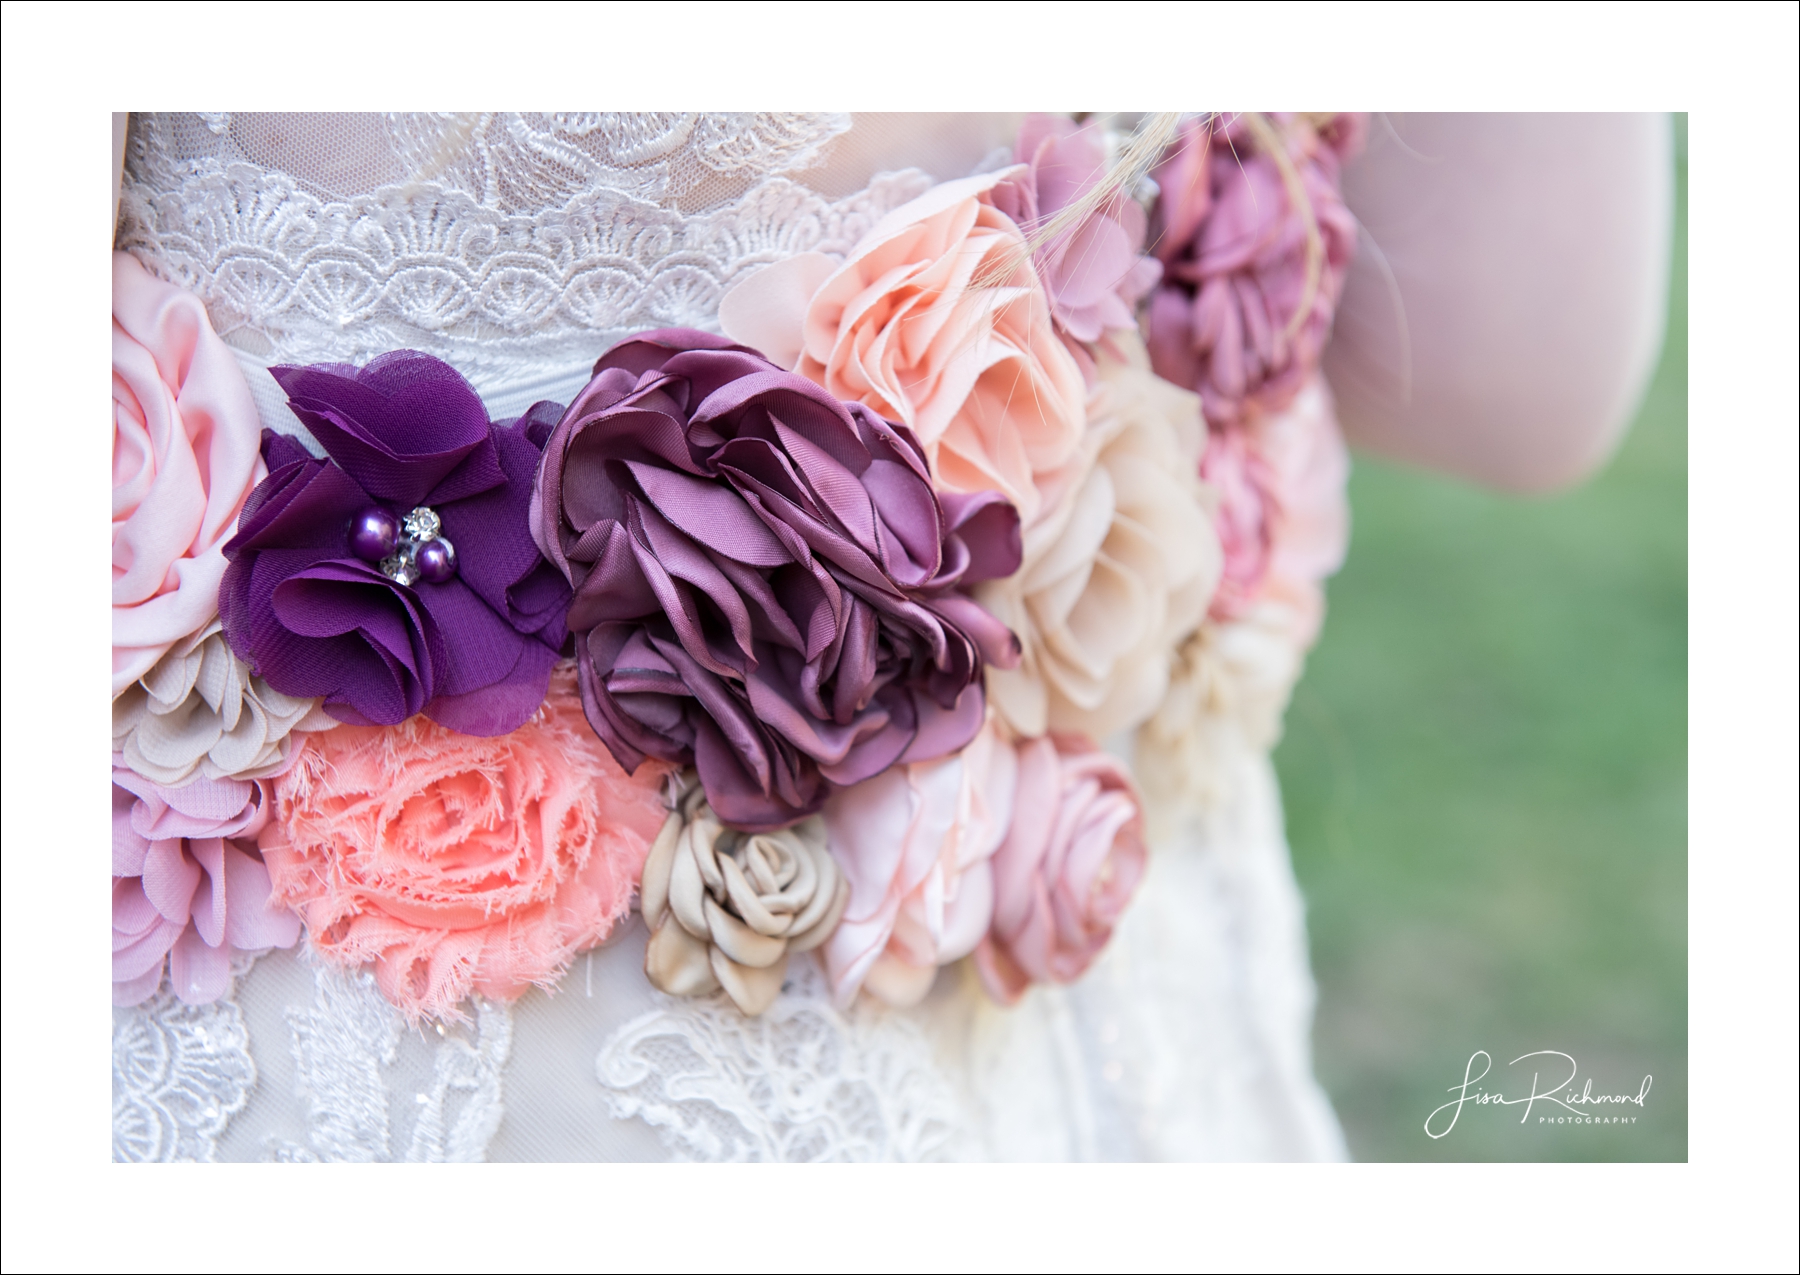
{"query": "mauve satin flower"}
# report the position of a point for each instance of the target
(1094, 273)
(766, 586)
(472, 651)
(1234, 249)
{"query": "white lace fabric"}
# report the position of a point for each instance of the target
(517, 248)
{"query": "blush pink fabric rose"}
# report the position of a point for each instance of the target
(189, 885)
(460, 863)
(185, 455)
(914, 843)
(936, 320)
(1070, 863)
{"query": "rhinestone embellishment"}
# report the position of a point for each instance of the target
(422, 524)
(419, 528)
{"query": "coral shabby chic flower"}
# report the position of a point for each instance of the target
(1255, 241)
(457, 863)
(185, 458)
(726, 908)
(915, 842)
(1094, 273)
(1118, 569)
(913, 326)
(189, 885)
(766, 586)
(1070, 862)
(201, 711)
(400, 575)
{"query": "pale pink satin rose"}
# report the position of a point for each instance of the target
(185, 456)
(936, 320)
(459, 863)
(189, 885)
(1070, 863)
(914, 843)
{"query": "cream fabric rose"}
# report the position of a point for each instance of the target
(1121, 565)
(1232, 678)
(911, 325)
(201, 712)
(185, 457)
(726, 908)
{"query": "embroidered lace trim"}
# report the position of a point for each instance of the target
(180, 1072)
(802, 1082)
(508, 246)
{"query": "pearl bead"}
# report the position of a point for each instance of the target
(436, 560)
(373, 534)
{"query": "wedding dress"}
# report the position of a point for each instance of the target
(517, 248)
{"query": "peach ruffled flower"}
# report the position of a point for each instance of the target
(936, 320)
(1070, 863)
(459, 863)
(185, 456)
(1119, 567)
(915, 842)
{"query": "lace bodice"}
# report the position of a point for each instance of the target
(517, 247)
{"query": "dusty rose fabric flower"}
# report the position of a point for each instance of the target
(185, 434)
(458, 863)
(1235, 316)
(766, 586)
(1118, 570)
(1070, 863)
(915, 843)
(1094, 274)
(189, 885)
(912, 326)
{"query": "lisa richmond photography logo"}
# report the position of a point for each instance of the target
(1549, 1097)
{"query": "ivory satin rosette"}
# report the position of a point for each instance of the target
(459, 863)
(200, 711)
(726, 908)
(936, 320)
(1118, 569)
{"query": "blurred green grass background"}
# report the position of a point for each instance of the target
(1485, 777)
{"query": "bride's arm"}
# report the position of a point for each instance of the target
(1529, 255)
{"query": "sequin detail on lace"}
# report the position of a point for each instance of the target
(180, 1072)
(343, 1048)
(802, 1082)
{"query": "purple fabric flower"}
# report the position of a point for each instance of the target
(1234, 252)
(473, 652)
(765, 584)
(189, 884)
(1093, 273)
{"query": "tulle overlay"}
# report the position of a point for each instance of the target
(866, 681)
